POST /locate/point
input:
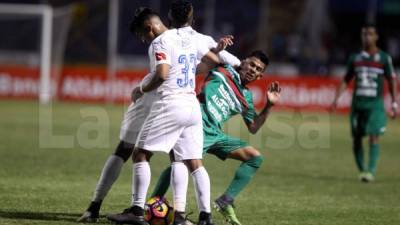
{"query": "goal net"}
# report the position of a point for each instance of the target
(34, 37)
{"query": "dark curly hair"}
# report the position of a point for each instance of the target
(181, 12)
(141, 14)
(260, 55)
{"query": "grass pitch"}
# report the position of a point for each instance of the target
(308, 177)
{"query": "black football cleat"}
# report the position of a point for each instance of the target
(181, 219)
(91, 215)
(129, 216)
(205, 219)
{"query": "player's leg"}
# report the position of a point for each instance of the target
(164, 180)
(375, 126)
(358, 152)
(160, 132)
(141, 181)
(109, 175)
(358, 121)
(251, 160)
(189, 149)
(373, 158)
(201, 181)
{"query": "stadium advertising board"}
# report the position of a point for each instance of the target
(86, 84)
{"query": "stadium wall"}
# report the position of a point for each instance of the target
(88, 84)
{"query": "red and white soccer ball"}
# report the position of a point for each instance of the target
(158, 211)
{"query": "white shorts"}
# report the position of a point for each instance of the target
(135, 116)
(174, 123)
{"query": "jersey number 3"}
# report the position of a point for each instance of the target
(188, 70)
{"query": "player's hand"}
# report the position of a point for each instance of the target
(394, 107)
(136, 94)
(273, 93)
(223, 43)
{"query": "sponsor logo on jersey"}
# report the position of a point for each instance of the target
(160, 56)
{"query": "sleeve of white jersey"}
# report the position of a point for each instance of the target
(228, 58)
(162, 52)
(202, 50)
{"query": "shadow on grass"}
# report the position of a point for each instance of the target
(47, 216)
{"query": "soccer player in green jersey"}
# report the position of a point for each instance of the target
(224, 95)
(369, 68)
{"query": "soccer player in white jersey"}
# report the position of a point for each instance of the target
(174, 121)
(133, 121)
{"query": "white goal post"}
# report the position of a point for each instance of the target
(47, 15)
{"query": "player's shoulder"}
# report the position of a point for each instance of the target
(200, 38)
(356, 56)
(204, 37)
(164, 37)
(385, 56)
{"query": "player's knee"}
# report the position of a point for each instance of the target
(255, 161)
(193, 164)
(373, 139)
(124, 150)
(141, 155)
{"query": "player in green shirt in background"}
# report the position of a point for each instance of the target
(369, 68)
(224, 95)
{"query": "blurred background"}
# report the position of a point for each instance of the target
(67, 69)
(310, 38)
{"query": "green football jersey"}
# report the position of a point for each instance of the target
(369, 72)
(223, 96)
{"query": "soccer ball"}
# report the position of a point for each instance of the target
(158, 211)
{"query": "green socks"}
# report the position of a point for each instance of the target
(162, 183)
(359, 156)
(373, 157)
(243, 175)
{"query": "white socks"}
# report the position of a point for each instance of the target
(179, 184)
(201, 182)
(141, 181)
(109, 175)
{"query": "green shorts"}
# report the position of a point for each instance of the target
(368, 121)
(218, 143)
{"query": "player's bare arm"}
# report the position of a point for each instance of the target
(161, 74)
(342, 87)
(136, 94)
(208, 62)
(223, 43)
(392, 90)
(273, 96)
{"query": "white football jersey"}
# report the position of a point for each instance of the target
(152, 62)
(179, 50)
(209, 42)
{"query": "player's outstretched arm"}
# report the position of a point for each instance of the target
(208, 62)
(340, 89)
(223, 43)
(212, 59)
(273, 96)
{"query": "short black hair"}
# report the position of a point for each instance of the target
(369, 25)
(141, 14)
(260, 55)
(181, 11)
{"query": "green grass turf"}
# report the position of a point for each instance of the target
(307, 178)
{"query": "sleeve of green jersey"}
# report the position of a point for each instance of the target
(389, 71)
(249, 115)
(349, 69)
